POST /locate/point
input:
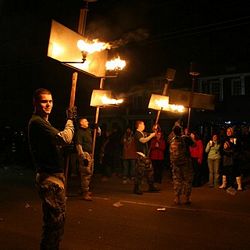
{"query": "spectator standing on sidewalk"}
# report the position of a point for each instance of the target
(231, 161)
(46, 145)
(196, 152)
(213, 149)
(128, 155)
(157, 151)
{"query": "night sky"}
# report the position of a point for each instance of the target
(150, 35)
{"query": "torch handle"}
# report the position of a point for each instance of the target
(164, 92)
(157, 117)
(73, 90)
(71, 104)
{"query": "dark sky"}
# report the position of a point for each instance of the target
(172, 33)
(151, 35)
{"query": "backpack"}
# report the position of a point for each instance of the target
(178, 150)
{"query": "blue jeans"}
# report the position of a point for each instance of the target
(213, 166)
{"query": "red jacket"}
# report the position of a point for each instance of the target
(196, 151)
(157, 149)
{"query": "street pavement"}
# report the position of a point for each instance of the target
(118, 219)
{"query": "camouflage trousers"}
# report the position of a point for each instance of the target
(85, 170)
(182, 178)
(143, 168)
(52, 194)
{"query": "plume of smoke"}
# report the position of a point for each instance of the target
(134, 36)
(126, 95)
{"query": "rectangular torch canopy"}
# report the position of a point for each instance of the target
(63, 47)
(158, 102)
(161, 102)
(97, 97)
(199, 100)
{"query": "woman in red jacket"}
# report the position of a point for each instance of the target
(157, 151)
(196, 152)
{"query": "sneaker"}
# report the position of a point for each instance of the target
(87, 197)
(187, 201)
(139, 192)
(104, 179)
(125, 181)
(177, 200)
(231, 191)
(153, 189)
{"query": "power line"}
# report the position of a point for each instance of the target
(201, 29)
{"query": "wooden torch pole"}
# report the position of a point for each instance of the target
(170, 77)
(71, 104)
(81, 31)
(96, 121)
(194, 73)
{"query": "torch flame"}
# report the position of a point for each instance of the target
(92, 47)
(115, 64)
(161, 103)
(176, 108)
(107, 100)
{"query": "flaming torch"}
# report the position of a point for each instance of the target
(91, 47)
(170, 75)
(102, 98)
(90, 60)
(111, 101)
(114, 65)
(161, 103)
(194, 73)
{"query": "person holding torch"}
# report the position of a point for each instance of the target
(84, 145)
(143, 166)
(46, 147)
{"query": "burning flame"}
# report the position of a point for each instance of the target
(176, 108)
(107, 100)
(162, 103)
(115, 64)
(92, 47)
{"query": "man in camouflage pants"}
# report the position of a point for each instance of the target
(182, 170)
(143, 166)
(85, 159)
(46, 144)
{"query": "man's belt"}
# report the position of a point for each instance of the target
(57, 178)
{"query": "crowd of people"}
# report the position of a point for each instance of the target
(219, 159)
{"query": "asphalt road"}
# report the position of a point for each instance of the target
(117, 219)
